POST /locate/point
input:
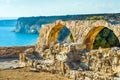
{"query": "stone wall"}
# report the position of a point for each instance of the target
(79, 30)
(73, 60)
(13, 51)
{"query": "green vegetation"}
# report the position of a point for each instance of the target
(96, 18)
(105, 39)
(71, 37)
(33, 24)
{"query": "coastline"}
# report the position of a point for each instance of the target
(13, 51)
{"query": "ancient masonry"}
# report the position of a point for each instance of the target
(79, 30)
(77, 59)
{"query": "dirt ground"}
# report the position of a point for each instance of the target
(23, 74)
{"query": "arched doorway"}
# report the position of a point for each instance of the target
(60, 33)
(100, 37)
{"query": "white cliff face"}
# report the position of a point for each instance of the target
(25, 28)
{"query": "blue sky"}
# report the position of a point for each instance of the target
(19, 8)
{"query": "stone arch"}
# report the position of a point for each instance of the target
(54, 33)
(104, 35)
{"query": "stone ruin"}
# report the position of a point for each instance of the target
(91, 53)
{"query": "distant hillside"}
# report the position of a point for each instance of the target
(8, 22)
(33, 24)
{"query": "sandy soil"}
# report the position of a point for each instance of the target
(7, 72)
(24, 74)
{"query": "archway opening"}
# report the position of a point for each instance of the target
(65, 35)
(101, 37)
(105, 39)
(61, 34)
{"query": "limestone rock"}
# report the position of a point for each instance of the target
(29, 51)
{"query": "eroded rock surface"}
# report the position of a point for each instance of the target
(13, 51)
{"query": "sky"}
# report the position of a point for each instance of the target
(26, 8)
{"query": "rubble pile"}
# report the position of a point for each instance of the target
(73, 62)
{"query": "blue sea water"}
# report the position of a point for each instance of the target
(9, 38)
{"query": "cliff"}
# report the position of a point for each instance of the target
(33, 24)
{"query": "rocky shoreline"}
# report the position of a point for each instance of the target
(9, 56)
(13, 51)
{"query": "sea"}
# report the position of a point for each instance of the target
(8, 38)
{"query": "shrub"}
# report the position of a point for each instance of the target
(96, 18)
